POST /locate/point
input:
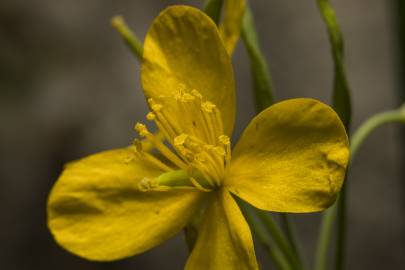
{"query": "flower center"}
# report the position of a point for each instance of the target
(199, 146)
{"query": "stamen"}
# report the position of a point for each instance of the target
(218, 121)
(216, 161)
(148, 157)
(162, 120)
(183, 101)
(208, 168)
(198, 186)
(152, 117)
(227, 143)
(164, 150)
(206, 177)
(208, 109)
(199, 145)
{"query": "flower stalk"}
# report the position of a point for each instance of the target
(279, 238)
(262, 82)
(342, 104)
(277, 257)
(213, 9)
(128, 36)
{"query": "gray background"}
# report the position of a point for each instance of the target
(69, 88)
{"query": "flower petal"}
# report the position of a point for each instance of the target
(224, 239)
(96, 211)
(231, 25)
(183, 50)
(291, 158)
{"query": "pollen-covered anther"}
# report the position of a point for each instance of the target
(197, 94)
(201, 157)
(224, 140)
(180, 140)
(147, 184)
(156, 107)
(151, 116)
(141, 129)
(208, 106)
(183, 96)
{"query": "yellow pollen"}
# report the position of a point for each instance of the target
(147, 184)
(180, 140)
(197, 94)
(141, 128)
(151, 116)
(208, 106)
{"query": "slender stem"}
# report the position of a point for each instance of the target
(341, 91)
(289, 229)
(342, 105)
(276, 255)
(358, 138)
(341, 227)
(371, 124)
(279, 238)
(262, 83)
(325, 235)
(213, 9)
(128, 36)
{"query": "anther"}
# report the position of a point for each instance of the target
(141, 129)
(220, 151)
(147, 184)
(208, 106)
(156, 107)
(180, 140)
(224, 140)
(151, 116)
(197, 94)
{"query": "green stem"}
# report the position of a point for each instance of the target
(262, 82)
(342, 105)
(341, 91)
(128, 36)
(291, 234)
(325, 235)
(213, 9)
(371, 124)
(279, 238)
(257, 228)
(357, 140)
(341, 227)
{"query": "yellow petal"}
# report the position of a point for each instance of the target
(291, 158)
(231, 25)
(183, 50)
(96, 211)
(224, 239)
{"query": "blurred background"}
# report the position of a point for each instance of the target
(69, 87)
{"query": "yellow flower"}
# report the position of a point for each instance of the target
(115, 204)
